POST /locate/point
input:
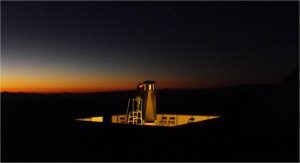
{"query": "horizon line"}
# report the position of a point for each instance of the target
(122, 90)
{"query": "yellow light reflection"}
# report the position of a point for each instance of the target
(92, 119)
(169, 120)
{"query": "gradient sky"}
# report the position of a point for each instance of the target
(99, 46)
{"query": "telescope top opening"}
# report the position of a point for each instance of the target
(149, 85)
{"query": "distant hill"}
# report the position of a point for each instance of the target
(292, 79)
(276, 110)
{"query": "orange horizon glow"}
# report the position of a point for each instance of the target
(78, 89)
(35, 81)
(55, 79)
(69, 87)
(62, 90)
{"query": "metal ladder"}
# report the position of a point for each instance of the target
(135, 115)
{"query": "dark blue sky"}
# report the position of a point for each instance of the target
(115, 45)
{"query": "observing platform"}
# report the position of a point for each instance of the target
(166, 120)
(91, 119)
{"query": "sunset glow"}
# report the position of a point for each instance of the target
(47, 81)
(105, 47)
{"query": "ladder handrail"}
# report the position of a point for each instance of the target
(127, 109)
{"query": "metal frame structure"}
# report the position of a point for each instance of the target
(135, 115)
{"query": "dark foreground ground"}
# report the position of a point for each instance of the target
(259, 123)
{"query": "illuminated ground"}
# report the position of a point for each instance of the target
(169, 120)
